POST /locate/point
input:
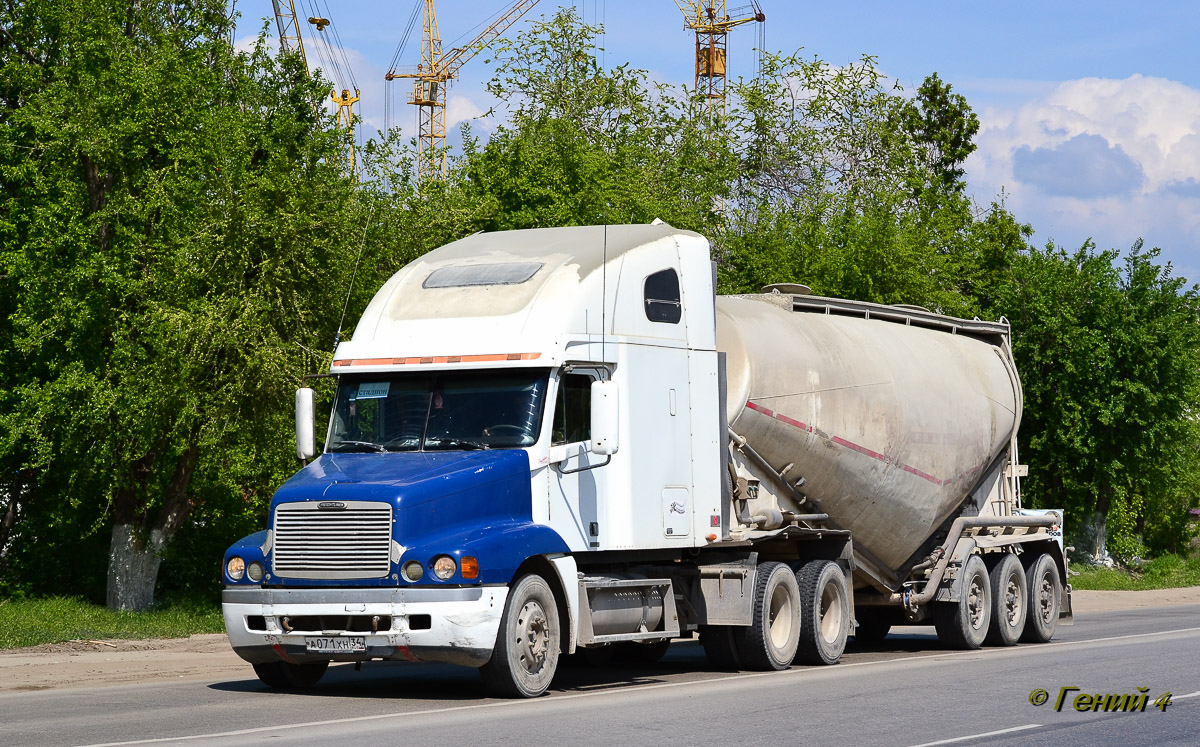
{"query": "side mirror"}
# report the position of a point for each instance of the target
(605, 422)
(305, 443)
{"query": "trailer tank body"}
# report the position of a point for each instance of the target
(892, 422)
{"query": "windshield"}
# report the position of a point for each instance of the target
(438, 411)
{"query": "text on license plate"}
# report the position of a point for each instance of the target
(335, 645)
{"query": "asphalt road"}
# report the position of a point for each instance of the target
(905, 692)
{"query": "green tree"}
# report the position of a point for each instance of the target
(1110, 361)
(172, 230)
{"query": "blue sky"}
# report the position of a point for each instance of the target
(1090, 112)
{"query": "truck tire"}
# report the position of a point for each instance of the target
(284, 675)
(720, 647)
(1045, 590)
(528, 642)
(771, 640)
(1010, 601)
(824, 612)
(873, 625)
(964, 624)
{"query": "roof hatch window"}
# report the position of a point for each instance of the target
(662, 297)
(464, 276)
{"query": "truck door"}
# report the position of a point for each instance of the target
(578, 476)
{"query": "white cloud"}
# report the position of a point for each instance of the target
(1109, 159)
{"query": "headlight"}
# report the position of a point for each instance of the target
(413, 571)
(235, 568)
(444, 567)
(255, 571)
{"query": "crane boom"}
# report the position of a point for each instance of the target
(460, 55)
(435, 72)
(289, 29)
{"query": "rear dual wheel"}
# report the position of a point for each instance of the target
(1045, 591)
(964, 624)
(1010, 601)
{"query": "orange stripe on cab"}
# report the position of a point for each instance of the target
(437, 359)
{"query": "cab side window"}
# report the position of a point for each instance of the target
(573, 410)
(661, 292)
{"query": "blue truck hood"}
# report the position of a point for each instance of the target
(404, 479)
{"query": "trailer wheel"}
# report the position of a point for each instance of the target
(720, 647)
(1045, 590)
(284, 675)
(824, 612)
(771, 640)
(964, 624)
(527, 644)
(1010, 601)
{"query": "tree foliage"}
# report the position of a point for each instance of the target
(171, 227)
(1110, 359)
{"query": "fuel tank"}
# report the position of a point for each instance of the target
(891, 415)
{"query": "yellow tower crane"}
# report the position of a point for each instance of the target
(711, 22)
(433, 75)
(290, 39)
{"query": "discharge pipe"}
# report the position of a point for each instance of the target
(956, 530)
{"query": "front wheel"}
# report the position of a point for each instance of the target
(528, 642)
(283, 675)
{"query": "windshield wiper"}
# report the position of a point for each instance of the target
(369, 444)
(452, 442)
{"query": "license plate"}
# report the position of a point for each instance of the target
(336, 645)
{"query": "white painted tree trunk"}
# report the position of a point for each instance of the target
(133, 561)
(1097, 531)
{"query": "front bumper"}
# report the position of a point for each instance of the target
(454, 625)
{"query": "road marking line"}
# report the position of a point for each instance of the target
(979, 736)
(1185, 697)
(810, 671)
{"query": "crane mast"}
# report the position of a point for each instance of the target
(290, 39)
(433, 75)
(711, 21)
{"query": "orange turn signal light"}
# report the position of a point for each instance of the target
(712, 538)
(469, 567)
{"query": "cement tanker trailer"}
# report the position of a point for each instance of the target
(898, 425)
(560, 440)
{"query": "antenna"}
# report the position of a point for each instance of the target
(337, 338)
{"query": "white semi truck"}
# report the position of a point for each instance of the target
(560, 439)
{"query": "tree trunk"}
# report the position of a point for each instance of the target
(133, 560)
(1097, 531)
(135, 553)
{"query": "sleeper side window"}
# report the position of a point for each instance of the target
(573, 410)
(662, 297)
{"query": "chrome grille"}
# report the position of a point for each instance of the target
(350, 542)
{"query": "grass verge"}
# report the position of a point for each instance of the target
(30, 622)
(1166, 572)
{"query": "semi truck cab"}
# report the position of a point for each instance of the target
(507, 404)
